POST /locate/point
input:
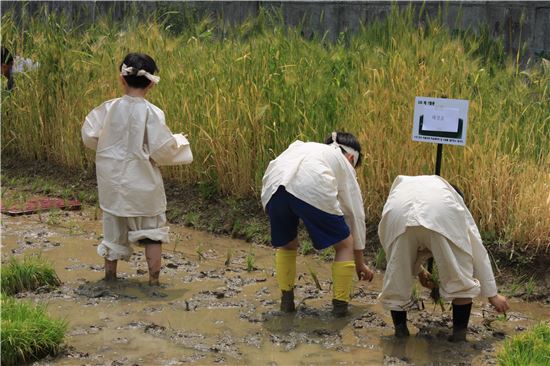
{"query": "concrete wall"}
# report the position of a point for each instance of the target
(515, 21)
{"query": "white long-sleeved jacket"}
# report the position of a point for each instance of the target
(431, 202)
(320, 175)
(131, 139)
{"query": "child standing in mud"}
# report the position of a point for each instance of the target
(317, 183)
(131, 140)
(425, 216)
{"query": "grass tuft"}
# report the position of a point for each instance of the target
(27, 274)
(28, 333)
(250, 260)
(531, 348)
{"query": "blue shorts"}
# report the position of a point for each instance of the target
(284, 210)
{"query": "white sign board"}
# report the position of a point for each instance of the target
(440, 120)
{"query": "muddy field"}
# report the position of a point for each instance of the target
(218, 304)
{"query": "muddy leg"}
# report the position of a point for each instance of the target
(153, 255)
(110, 270)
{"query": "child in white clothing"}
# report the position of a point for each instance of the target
(131, 140)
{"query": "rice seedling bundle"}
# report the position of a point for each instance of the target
(529, 348)
(28, 333)
(27, 274)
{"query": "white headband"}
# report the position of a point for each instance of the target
(347, 149)
(125, 70)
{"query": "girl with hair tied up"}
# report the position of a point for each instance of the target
(131, 140)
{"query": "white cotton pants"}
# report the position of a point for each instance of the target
(120, 232)
(455, 268)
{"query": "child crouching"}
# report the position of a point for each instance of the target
(131, 140)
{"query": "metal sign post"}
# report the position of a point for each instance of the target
(438, 157)
(441, 121)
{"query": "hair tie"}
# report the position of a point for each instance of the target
(129, 70)
(347, 149)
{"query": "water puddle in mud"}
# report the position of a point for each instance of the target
(208, 312)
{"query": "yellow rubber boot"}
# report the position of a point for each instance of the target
(285, 268)
(342, 280)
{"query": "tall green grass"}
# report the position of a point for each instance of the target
(245, 93)
(27, 274)
(531, 348)
(27, 332)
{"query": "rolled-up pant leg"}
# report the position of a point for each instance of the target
(148, 227)
(120, 232)
(114, 245)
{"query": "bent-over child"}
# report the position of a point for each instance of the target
(131, 140)
(425, 216)
(317, 183)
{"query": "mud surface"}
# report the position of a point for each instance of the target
(211, 310)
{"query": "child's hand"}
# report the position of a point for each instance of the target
(499, 302)
(425, 279)
(364, 273)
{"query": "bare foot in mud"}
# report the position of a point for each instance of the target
(110, 277)
(154, 278)
(110, 270)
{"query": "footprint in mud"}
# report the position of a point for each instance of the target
(154, 329)
(76, 266)
(155, 293)
(369, 320)
(92, 290)
(326, 338)
(153, 309)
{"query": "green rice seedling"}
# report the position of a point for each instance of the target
(327, 254)
(250, 259)
(306, 247)
(74, 227)
(417, 298)
(192, 219)
(514, 287)
(434, 292)
(380, 259)
(530, 286)
(200, 252)
(228, 257)
(315, 278)
(531, 347)
(27, 274)
(28, 333)
(97, 212)
(54, 217)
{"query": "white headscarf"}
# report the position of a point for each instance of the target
(347, 149)
(129, 70)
